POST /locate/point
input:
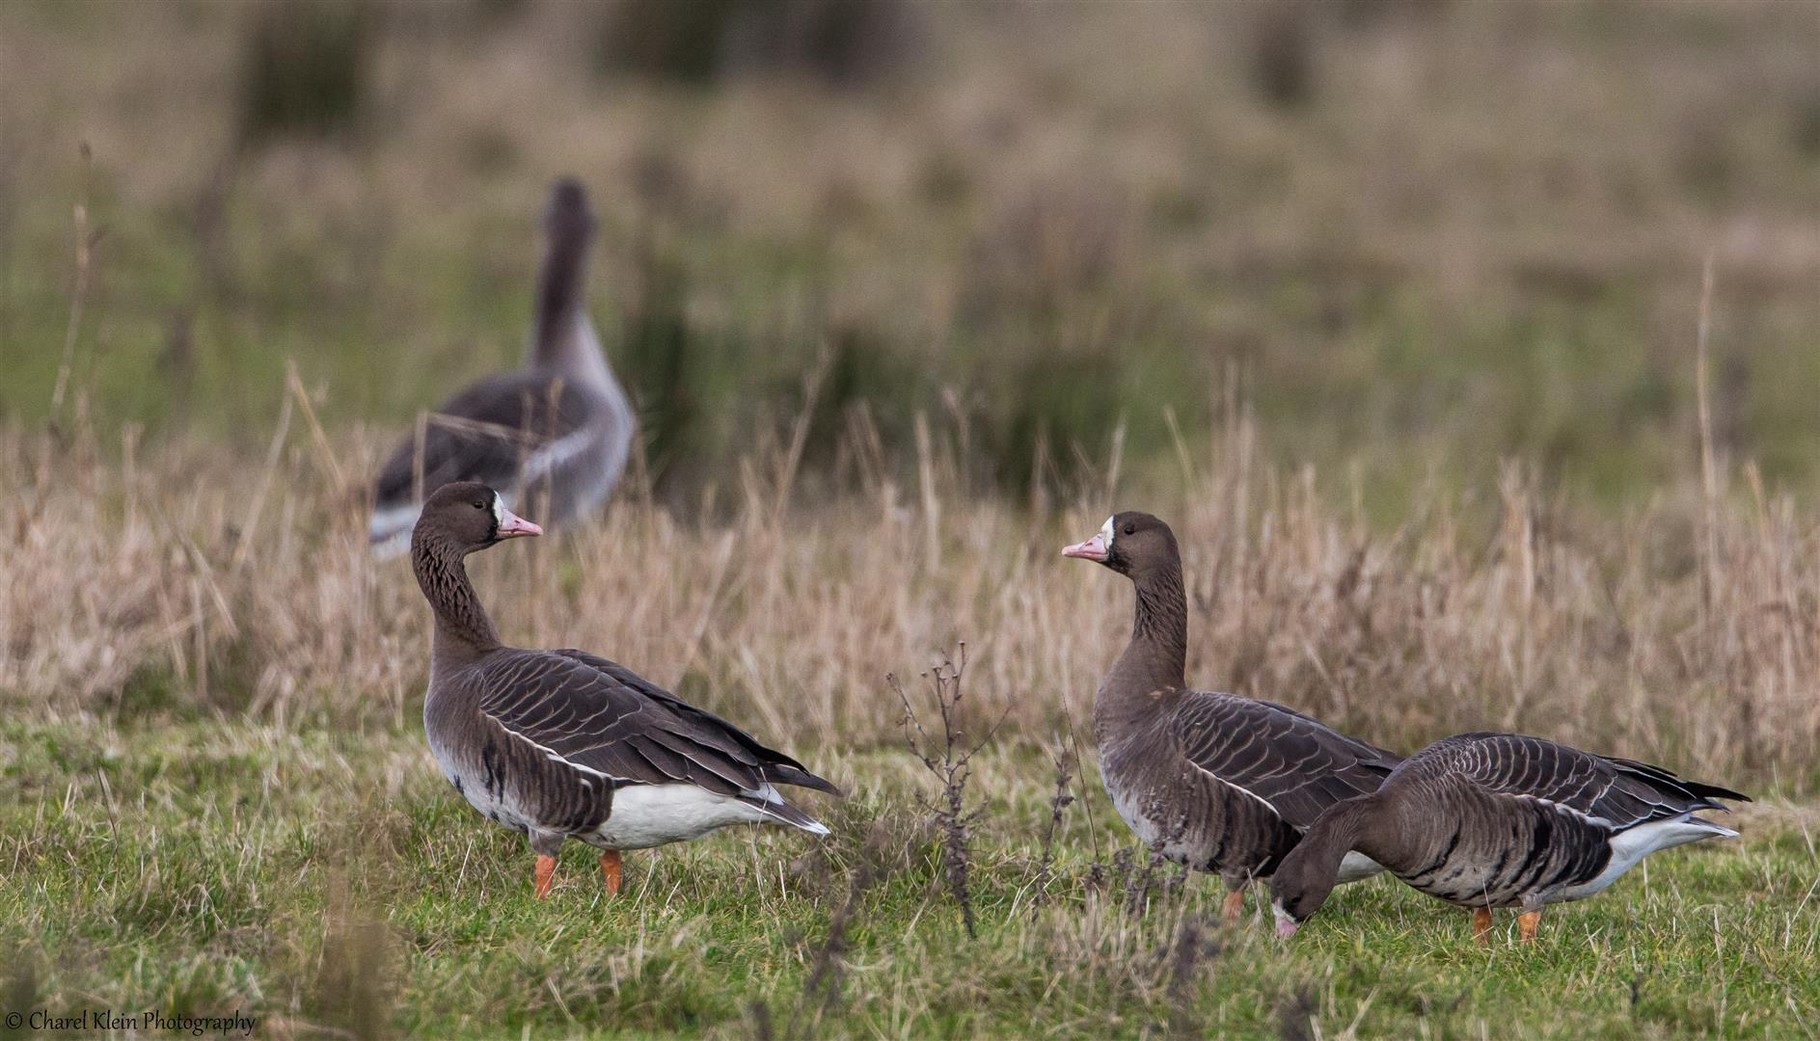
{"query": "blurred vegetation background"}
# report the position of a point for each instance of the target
(1390, 306)
(1411, 237)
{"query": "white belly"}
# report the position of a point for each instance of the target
(496, 809)
(646, 815)
(1356, 865)
(1131, 811)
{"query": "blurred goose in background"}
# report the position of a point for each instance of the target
(564, 744)
(554, 436)
(1216, 782)
(1500, 820)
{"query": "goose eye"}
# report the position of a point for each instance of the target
(480, 504)
(1130, 529)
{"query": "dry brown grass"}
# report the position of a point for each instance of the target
(187, 579)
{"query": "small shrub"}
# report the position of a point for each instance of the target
(950, 758)
(305, 69)
(1282, 55)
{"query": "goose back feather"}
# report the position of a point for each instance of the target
(1486, 820)
(1507, 820)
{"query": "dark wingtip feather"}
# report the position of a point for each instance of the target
(1699, 792)
(1713, 791)
(782, 773)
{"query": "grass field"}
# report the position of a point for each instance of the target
(217, 796)
(331, 884)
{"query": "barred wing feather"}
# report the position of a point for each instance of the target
(1290, 761)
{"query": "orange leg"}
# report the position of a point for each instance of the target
(1234, 908)
(1481, 925)
(546, 870)
(609, 871)
(1527, 924)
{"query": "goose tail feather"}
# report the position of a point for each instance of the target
(784, 813)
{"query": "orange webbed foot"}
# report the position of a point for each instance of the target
(1234, 908)
(609, 871)
(546, 870)
(1481, 925)
(1527, 924)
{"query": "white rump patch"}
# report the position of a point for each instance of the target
(1632, 845)
(646, 815)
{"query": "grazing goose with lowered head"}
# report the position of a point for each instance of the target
(1501, 820)
(1220, 783)
(563, 744)
(552, 436)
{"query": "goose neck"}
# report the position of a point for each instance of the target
(463, 630)
(1311, 870)
(568, 346)
(562, 337)
(1342, 829)
(1157, 657)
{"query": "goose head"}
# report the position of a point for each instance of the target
(1298, 889)
(568, 219)
(1131, 543)
(467, 516)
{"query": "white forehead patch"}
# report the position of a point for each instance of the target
(499, 509)
(1106, 530)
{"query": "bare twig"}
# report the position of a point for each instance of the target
(951, 761)
(761, 1020)
(1139, 881)
(85, 247)
(324, 454)
(799, 434)
(1058, 801)
(1708, 467)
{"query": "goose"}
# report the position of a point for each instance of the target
(1216, 782)
(564, 744)
(1488, 820)
(554, 435)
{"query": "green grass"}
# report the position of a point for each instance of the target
(331, 880)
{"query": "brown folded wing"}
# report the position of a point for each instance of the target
(1290, 761)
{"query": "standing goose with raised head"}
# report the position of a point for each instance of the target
(553, 436)
(1501, 820)
(1217, 782)
(563, 744)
